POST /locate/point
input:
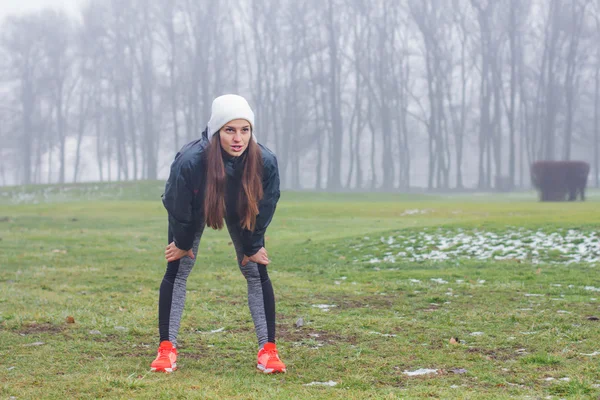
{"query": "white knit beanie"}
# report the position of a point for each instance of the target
(227, 108)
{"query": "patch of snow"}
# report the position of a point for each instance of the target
(414, 212)
(421, 371)
(520, 245)
(596, 353)
(382, 334)
(328, 383)
(324, 307)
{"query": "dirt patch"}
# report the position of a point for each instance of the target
(201, 352)
(33, 328)
(110, 338)
(325, 337)
(430, 308)
(239, 330)
(371, 301)
(135, 353)
(498, 354)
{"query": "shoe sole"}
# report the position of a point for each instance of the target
(266, 370)
(165, 370)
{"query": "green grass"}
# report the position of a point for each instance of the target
(94, 252)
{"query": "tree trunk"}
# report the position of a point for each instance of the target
(336, 142)
(597, 126)
(80, 128)
(513, 86)
(27, 104)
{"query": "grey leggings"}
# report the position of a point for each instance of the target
(261, 299)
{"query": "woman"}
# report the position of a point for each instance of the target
(225, 175)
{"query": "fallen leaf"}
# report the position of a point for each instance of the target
(70, 320)
(538, 271)
(342, 258)
(229, 243)
(299, 323)
(95, 332)
(59, 251)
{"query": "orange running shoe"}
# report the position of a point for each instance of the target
(268, 360)
(165, 360)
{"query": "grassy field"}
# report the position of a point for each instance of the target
(402, 296)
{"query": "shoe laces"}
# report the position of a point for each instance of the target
(273, 354)
(164, 352)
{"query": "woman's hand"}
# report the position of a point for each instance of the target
(172, 253)
(261, 257)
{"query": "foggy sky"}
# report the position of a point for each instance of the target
(10, 7)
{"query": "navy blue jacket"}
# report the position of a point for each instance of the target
(184, 194)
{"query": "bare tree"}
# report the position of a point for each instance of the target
(575, 26)
(429, 17)
(22, 40)
(57, 31)
(518, 13)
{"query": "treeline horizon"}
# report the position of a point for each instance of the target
(350, 94)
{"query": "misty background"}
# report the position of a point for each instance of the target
(350, 94)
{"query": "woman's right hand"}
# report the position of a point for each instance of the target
(172, 253)
(261, 257)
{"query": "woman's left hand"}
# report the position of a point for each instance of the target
(261, 257)
(172, 253)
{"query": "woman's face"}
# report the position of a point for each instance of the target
(235, 136)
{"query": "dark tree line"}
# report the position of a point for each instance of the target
(350, 94)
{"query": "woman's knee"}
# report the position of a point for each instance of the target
(250, 271)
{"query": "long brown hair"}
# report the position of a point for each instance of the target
(216, 183)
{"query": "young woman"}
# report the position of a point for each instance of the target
(223, 176)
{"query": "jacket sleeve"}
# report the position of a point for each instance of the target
(177, 199)
(253, 241)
